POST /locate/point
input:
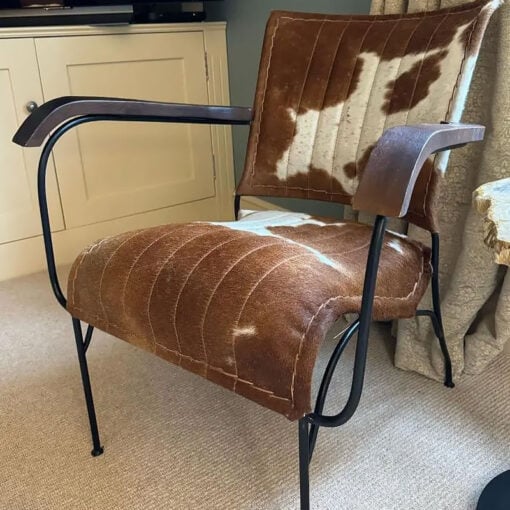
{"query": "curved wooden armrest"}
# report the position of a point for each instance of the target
(388, 181)
(48, 116)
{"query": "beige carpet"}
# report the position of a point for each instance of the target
(175, 441)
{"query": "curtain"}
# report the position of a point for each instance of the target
(475, 292)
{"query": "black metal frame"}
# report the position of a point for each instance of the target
(308, 425)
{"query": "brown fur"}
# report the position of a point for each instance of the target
(247, 306)
(312, 62)
(238, 307)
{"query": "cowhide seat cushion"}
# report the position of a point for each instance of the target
(244, 304)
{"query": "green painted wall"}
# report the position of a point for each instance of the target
(246, 23)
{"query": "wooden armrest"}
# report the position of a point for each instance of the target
(388, 181)
(48, 116)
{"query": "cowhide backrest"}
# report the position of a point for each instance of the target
(329, 85)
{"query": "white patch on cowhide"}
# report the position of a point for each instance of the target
(258, 223)
(396, 245)
(338, 135)
(245, 331)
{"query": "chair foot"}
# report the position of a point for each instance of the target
(435, 314)
(437, 325)
(448, 373)
(97, 449)
(96, 452)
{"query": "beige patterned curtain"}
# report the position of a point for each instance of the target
(475, 291)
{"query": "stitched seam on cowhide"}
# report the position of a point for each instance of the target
(467, 47)
(91, 317)
(323, 101)
(254, 287)
(188, 277)
(226, 273)
(357, 158)
(301, 342)
(331, 177)
(425, 53)
(137, 259)
(423, 14)
(149, 301)
(269, 393)
(421, 18)
(336, 298)
(444, 18)
(335, 154)
(298, 109)
(106, 265)
(450, 104)
(411, 35)
(236, 377)
(84, 253)
(257, 135)
(72, 292)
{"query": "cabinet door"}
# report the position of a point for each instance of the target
(19, 84)
(110, 169)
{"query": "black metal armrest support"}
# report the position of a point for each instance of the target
(385, 190)
(362, 325)
(60, 115)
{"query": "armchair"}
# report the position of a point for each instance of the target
(339, 115)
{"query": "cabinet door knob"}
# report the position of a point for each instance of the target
(31, 106)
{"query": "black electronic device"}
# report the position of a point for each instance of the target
(163, 12)
(16, 13)
(87, 15)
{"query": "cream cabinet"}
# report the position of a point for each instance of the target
(19, 80)
(109, 177)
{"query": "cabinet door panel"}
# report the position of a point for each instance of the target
(19, 84)
(113, 169)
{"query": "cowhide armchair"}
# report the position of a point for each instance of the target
(357, 110)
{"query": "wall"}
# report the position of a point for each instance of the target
(246, 23)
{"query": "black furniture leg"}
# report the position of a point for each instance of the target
(304, 464)
(307, 436)
(326, 380)
(436, 304)
(81, 348)
(435, 314)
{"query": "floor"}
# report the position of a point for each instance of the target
(175, 441)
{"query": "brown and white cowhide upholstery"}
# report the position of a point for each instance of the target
(244, 304)
(330, 85)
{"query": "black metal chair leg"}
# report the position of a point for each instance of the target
(439, 332)
(304, 464)
(326, 380)
(448, 376)
(436, 303)
(80, 346)
(435, 314)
